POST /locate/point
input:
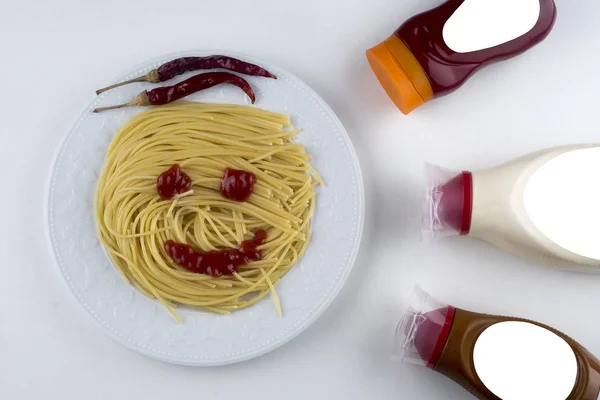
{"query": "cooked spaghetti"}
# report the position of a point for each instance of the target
(134, 222)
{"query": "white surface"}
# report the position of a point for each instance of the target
(561, 198)
(478, 25)
(518, 361)
(207, 339)
(55, 54)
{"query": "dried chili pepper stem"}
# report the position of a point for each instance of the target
(140, 100)
(151, 77)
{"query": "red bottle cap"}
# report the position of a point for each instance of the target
(448, 203)
(423, 331)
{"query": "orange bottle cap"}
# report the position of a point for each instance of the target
(400, 74)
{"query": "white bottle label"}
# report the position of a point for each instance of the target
(523, 361)
(562, 199)
(481, 24)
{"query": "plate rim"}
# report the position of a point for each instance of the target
(303, 324)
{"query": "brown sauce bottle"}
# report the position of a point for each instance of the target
(495, 357)
(434, 53)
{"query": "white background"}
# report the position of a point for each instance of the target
(54, 54)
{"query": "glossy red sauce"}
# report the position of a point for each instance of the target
(447, 69)
(173, 182)
(237, 185)
(217, 262)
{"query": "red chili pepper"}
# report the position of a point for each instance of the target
(182, 65)
(167, 94)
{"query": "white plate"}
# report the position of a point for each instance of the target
(204, 339)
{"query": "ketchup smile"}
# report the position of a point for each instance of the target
(217, 262)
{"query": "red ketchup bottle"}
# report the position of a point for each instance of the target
(433, 53)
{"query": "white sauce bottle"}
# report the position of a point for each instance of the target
(544, 206)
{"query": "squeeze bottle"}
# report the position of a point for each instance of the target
(496, 357)
(433, 53)
(544, 206)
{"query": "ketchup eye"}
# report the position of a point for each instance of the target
(237, 185)
(172, 182)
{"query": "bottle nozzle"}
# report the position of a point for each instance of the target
(423, 331)
(448, 202)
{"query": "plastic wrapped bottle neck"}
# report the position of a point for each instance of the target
(448, 203)
(423, 331)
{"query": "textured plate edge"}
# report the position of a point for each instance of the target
(332, 295)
